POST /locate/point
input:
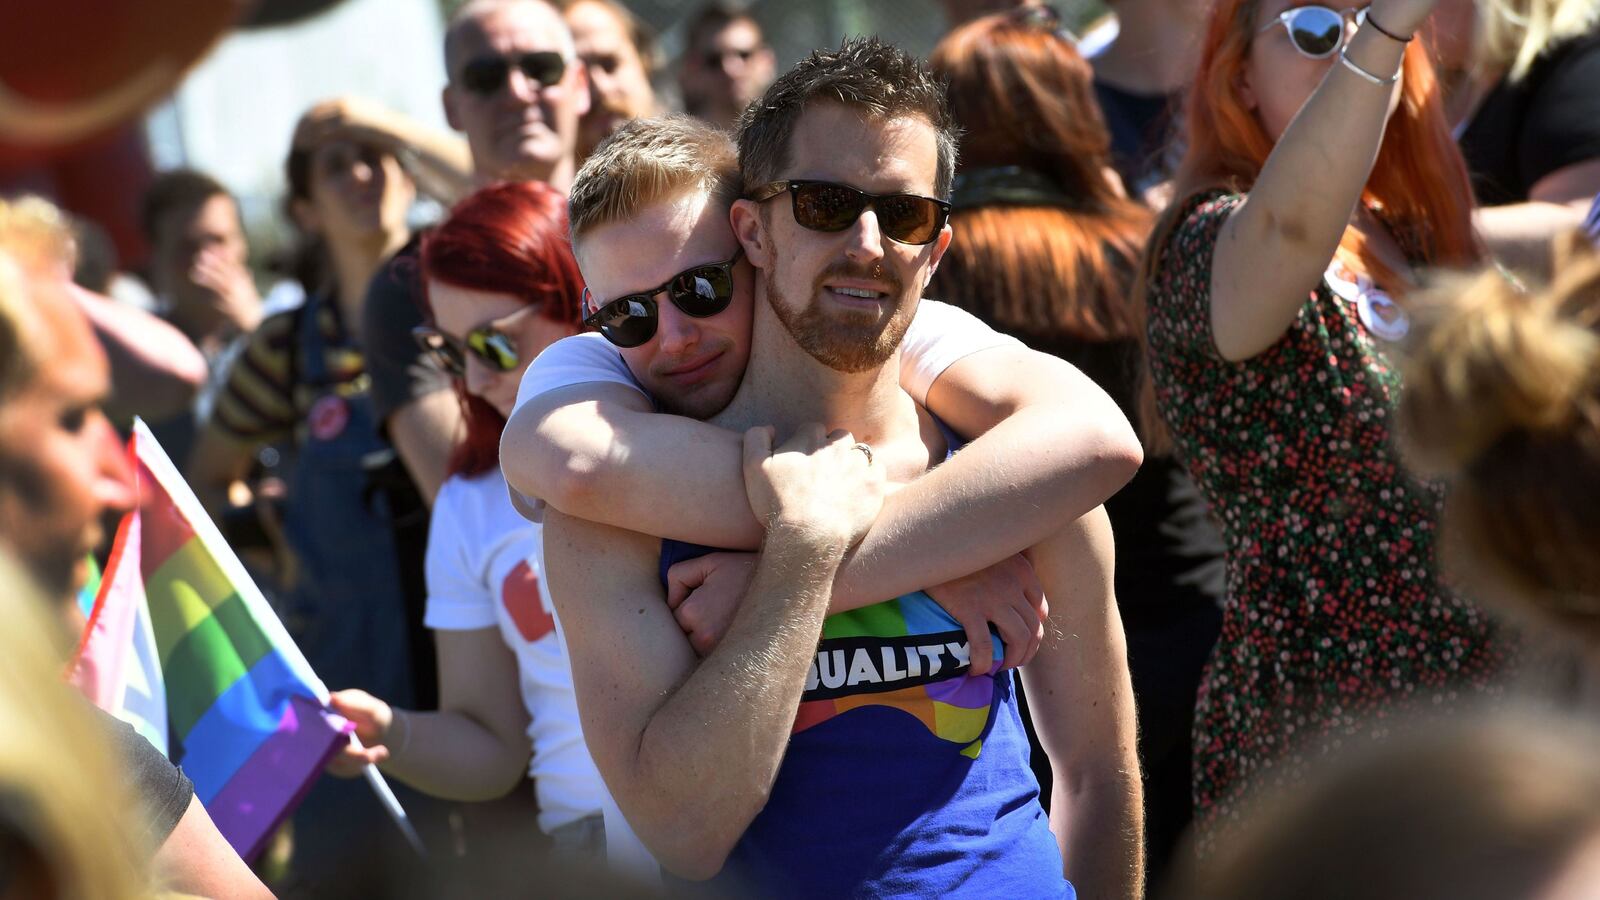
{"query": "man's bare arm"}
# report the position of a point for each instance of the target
(1081, 699)
(690, 748)
(1050, 446)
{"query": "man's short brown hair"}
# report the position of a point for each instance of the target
(866, 74)
(647, 161)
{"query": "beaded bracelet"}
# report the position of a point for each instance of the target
(1386, 32)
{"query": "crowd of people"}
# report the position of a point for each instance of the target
(1219, 414)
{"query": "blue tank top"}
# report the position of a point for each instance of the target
(905, 774)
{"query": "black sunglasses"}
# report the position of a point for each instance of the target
(700, 292)
(495, 348)
(825, 206)
(1316, 31)
(486, 75)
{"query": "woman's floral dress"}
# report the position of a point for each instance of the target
(1334, 612)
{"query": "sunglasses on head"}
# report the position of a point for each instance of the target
(1316, 31)
(700, 292)
(486, 75)
(493, 347)
(825, 206)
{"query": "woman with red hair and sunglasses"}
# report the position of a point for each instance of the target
(1319, 180)
(501, 285)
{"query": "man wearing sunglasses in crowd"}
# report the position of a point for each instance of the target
(516, 91)
(905, 770)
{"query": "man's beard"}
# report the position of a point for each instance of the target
(847, 341)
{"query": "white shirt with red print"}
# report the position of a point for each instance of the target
(485, 570)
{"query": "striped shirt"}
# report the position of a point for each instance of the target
(1591, 224)
(262, 401)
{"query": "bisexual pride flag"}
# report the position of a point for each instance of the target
(182, 645)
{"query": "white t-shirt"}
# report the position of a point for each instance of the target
(939, 335)
(485, 568)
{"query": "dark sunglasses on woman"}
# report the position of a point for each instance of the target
(700, 292)
(826, 206)
(495, 348)
(486, 75)
(1317, 32)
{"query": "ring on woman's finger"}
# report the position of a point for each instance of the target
(864, 448)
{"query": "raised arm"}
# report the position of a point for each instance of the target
(1081, 699)
(1298, 208)
(690, 749)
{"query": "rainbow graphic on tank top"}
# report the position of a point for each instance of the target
(906, 654)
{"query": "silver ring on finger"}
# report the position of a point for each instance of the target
(864, 448)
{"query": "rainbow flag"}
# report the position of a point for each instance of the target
(183, 645)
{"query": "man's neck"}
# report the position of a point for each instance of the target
(1156, 48)
(785, 387)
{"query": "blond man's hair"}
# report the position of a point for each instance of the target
(35, 236)
(1514, 33)
(647, 161)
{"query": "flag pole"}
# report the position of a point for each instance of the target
(168, 476)
(391, 804)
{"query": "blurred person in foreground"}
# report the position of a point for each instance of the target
(726, 64)
(351, 596)
(501, 286)
(517, 91)
(1522, 82)
(1502, 402)
(62, 468)
(1048, 250)
(620, 57)
(804, 748)
(1505, 807)
(65, 828)
(1319, 179)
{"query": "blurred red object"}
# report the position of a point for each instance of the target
(75, 75)
(71, 70)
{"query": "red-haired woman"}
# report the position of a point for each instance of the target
(1047, 249)
(1319, 178)
(502, 285)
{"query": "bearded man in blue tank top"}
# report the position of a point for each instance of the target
(822, 746)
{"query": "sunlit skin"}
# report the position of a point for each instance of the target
(810, 271)
(525, 130)
(619, 85)
(63, 465)
(459, 311)
(692, 366)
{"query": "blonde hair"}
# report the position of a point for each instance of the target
(647, 161)
(1513, 33)
(34, 235)
(63, 816)
(1502, 399)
